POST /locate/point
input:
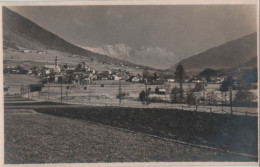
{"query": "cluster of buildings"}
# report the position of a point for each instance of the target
(84, 74)
(79, 74)
(15, 70)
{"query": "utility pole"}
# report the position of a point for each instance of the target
(67, 95)
(61, 91)
(230, 93)
(28, 92)
(146, 92)
(21, 89)
(120, 92)
(204, 91)
(48, 91)
(222, 100)
(89, 92)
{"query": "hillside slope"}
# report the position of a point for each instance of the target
(228, 55)
(20, 31)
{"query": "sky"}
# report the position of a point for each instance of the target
(184, 30)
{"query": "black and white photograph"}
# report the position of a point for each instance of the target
(130, 83)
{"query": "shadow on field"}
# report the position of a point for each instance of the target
(229, 132)
(24, 103)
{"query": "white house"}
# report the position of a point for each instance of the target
(116, 77)
(135, 79)
(171, 80)
(162, 90)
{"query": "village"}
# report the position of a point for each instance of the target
(82, 74)
(127, 82)
(108, 86)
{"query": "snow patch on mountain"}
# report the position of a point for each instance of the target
(149, 56)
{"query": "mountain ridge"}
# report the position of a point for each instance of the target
(227, 55)
(20, 31)
(149, 56)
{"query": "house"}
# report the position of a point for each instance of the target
(116, 77)
(25, 51)
(102, 77)
(135, 79)
(92, 71)
(40, 52)
(47, 71)
(170, 80)
(162, 91)
(56, 79)
(86, 81)
(54, 68)
(130, 79)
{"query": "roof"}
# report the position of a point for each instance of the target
(50, 66)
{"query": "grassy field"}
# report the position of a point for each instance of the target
(28, 60)
(31, 137)
(15, 81)
(228, 132)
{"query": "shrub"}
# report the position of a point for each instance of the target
(175, 94)
(143, 97)
(191, 98)
(198, 87)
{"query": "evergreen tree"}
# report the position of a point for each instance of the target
(179, 76)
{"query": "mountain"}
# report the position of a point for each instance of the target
(228, 55)
(148, 56)
(249, 64)
(19, 31)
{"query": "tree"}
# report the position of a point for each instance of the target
(247, 78)
(143, 97)
(208, 73)
(230, 83)
(191, 98)
(65, 66)
(79, 67)
(174, 94)
(198, 87)
(224, 88)
(244, 98)
(145, 73)
(155, 76)
(157, 90)
(179, 76)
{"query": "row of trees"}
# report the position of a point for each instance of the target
(177, 93)
(179, 76)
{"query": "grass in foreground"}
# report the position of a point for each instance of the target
(38, 138)
(229, 132)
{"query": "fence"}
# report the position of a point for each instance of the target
(107, 95)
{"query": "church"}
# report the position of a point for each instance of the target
(53, 68)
